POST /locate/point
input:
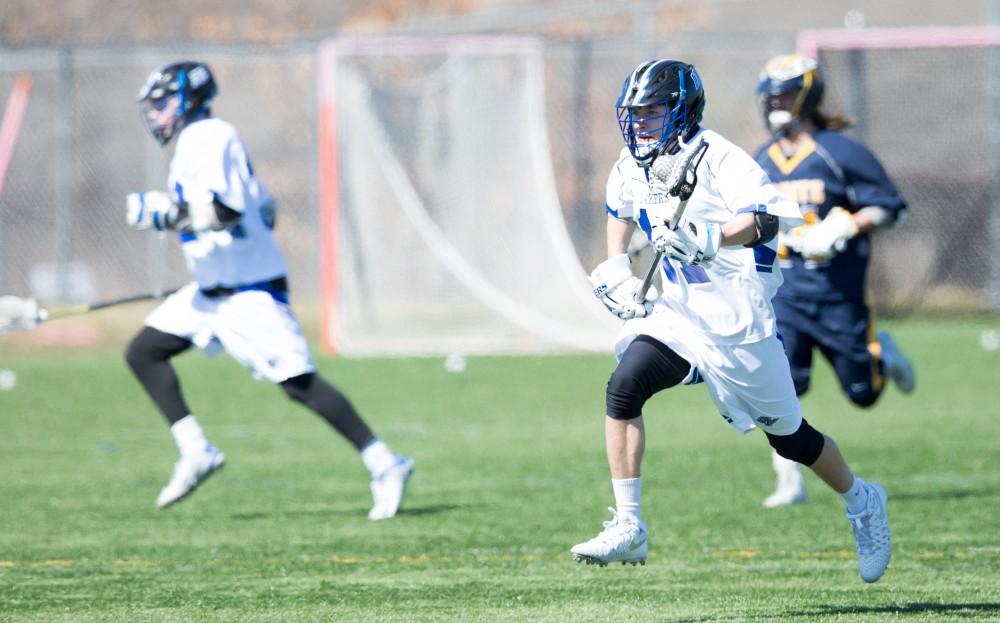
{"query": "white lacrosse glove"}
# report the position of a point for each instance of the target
(151, 210)
(616, 287)
(828, 237)
(693, 244)
(18, 313)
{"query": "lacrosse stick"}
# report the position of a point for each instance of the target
(18, 314)
(680, 176)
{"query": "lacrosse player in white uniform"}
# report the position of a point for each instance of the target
(237, 300)
(714, 322)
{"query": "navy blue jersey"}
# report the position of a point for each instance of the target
(829, 170)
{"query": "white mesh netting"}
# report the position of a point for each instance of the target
(449, 236)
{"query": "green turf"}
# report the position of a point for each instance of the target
(510, 474)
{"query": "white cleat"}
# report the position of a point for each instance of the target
(897, 365)
(189, 472)
(622, 540)
(388, 489)
(871, 531)
(786, 496)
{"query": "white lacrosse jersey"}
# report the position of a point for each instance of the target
(727, 300)
(211, 162)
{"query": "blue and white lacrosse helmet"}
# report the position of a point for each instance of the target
(674, 85)
(783, 75)
(173, 95)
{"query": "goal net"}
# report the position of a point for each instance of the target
(927, 102)
(442, 229)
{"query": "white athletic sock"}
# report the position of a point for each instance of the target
(188, 436)
(627, 497)
(377, 457)
(856, 497)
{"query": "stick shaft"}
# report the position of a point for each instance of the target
(76, 310)
(655, 264)
(684, 189)
(648, 279)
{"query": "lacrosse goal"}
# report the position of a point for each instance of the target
(441, 226)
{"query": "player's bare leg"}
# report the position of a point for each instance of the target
(625, 443)
(832, 468)
(624, 537)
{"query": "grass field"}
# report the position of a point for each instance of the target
(510, 474)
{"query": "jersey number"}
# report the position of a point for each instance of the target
(763, 259)
(691, 274)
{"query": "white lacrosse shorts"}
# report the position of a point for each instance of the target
(256, 330)
(750, 384)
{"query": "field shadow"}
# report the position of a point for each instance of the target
(320, 512)
(432, 509)
(957, 494)
(971, 610)
(343, 512)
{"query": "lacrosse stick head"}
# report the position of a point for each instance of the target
(18, 313)
(790, 88)
(661, 103)
(675, 171)
(173, 95)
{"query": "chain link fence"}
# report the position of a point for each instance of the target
(931, 115)
(82, 147)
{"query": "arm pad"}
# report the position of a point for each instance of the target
(767, 228)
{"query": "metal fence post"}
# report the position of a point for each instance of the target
(64, 174)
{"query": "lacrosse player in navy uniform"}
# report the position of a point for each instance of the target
(237, 300)
(845, 194)
(714, 322)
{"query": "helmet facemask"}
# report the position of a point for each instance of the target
(163, 116)
(173, 96)
(655, 118)
(645, 143)
(790, 90)
(782, 114)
